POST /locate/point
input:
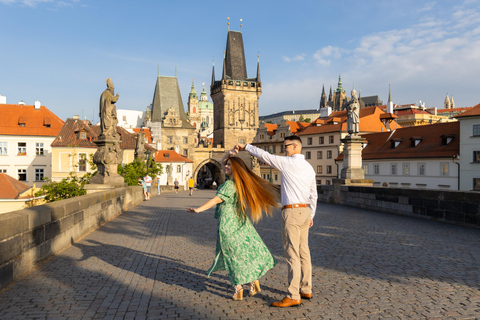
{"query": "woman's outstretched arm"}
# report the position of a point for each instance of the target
(210, 203)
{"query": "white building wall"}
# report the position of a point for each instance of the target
(12, 162)
(129, 119)
(468, 143)
(432, 179)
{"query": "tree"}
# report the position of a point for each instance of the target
(70, 187)
(308, 120)
(137, 169)
(301, 119)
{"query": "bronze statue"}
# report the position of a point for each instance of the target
(108, 112)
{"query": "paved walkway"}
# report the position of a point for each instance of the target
(150, 262)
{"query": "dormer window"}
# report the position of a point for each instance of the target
(166, 155)
(414, 141)
(395, 142)
(47, 122)
(22, 121)
(447, 138)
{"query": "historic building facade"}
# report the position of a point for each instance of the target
(235, 97)
(200, 112)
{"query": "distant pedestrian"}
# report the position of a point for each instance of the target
(157, 181)
(176, 184)
(144, 186)
(148, 182)
(191, 185)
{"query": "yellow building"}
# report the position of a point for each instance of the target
(74, 147)
(16, 195)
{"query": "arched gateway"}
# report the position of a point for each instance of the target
(207, 165)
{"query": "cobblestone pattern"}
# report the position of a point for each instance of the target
(150, 263)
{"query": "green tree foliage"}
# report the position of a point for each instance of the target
(137, 169)
(308, 120)
(67, 188)
(301, 118)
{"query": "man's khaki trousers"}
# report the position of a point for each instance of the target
(295, 225)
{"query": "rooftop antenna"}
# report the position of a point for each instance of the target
(241, 25)
(228, 23)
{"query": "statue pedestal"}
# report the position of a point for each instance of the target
(107, 157)
(352, 158)
(92, 188)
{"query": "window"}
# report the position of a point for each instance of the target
(169, 140)
(330, 139)
(22, 174)
(125, 118)
(185, 152)
(83, 135)
(476, 184)
(185, 139)
(329, 169)
(393, 169)
(82, 162)
(319, 181)
(365, 168)
(319, 169)
(327, 182)
(22, 148)
(179, 168)
(309, 141)
(406, 169)
(376, 168)
(39, 174)
(39, 149)
(242, 140)
(307, 155)
(476, 156)
(3, 170)
(321, 140)
(476, 130)
(444, 168)
(329, 154)
(273, 149)
(421, 169)
(276, 177)
(319, 154)
(3, 148)
(262, 137)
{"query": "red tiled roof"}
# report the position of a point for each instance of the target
(296, 126)
(170, 156)
(474, 111)
(380, 144)
(34, 121)
(369, 122)
(453, 110)
(148, 134)
(11, 188)
(69, 137)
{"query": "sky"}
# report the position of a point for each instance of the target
(61, 52)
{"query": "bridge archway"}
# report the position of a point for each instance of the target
(208, 171)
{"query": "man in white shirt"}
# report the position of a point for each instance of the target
(299, 201)
(148, 182)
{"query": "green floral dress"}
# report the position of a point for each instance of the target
(239, 250)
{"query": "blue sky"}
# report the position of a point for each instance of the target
(61, 52)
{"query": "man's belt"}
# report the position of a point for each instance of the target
(298, 205)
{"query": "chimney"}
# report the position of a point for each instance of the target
(3, 99)
(76, 117)
(37, 105)
(21, 103)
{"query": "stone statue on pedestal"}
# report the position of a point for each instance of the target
(140, 147)
(108, 154)
(353, 118)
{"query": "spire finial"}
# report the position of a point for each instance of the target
(241, 25)
(389, 93)
(228, 23)
(258, 56)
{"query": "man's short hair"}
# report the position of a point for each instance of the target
(294, 138)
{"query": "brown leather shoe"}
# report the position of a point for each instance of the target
(286, 302)
(306, 295)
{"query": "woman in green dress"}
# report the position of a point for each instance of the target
(239, 249)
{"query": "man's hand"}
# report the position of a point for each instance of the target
(193, 210)
(240, 147)
(311, 223)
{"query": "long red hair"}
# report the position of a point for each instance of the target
(254, 194)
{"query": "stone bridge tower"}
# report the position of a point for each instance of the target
(235, 97)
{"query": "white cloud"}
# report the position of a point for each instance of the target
(286, 59)
(298, 57)
(322, 55)
(427, 7)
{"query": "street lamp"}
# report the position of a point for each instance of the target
(148, 152)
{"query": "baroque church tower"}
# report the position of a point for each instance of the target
(235, 97)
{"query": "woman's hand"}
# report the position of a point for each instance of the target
(192, 210)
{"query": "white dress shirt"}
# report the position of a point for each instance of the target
(298, 183)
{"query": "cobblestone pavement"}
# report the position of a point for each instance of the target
(150, 263)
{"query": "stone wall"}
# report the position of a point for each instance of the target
(29, 236)
(459, 207)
